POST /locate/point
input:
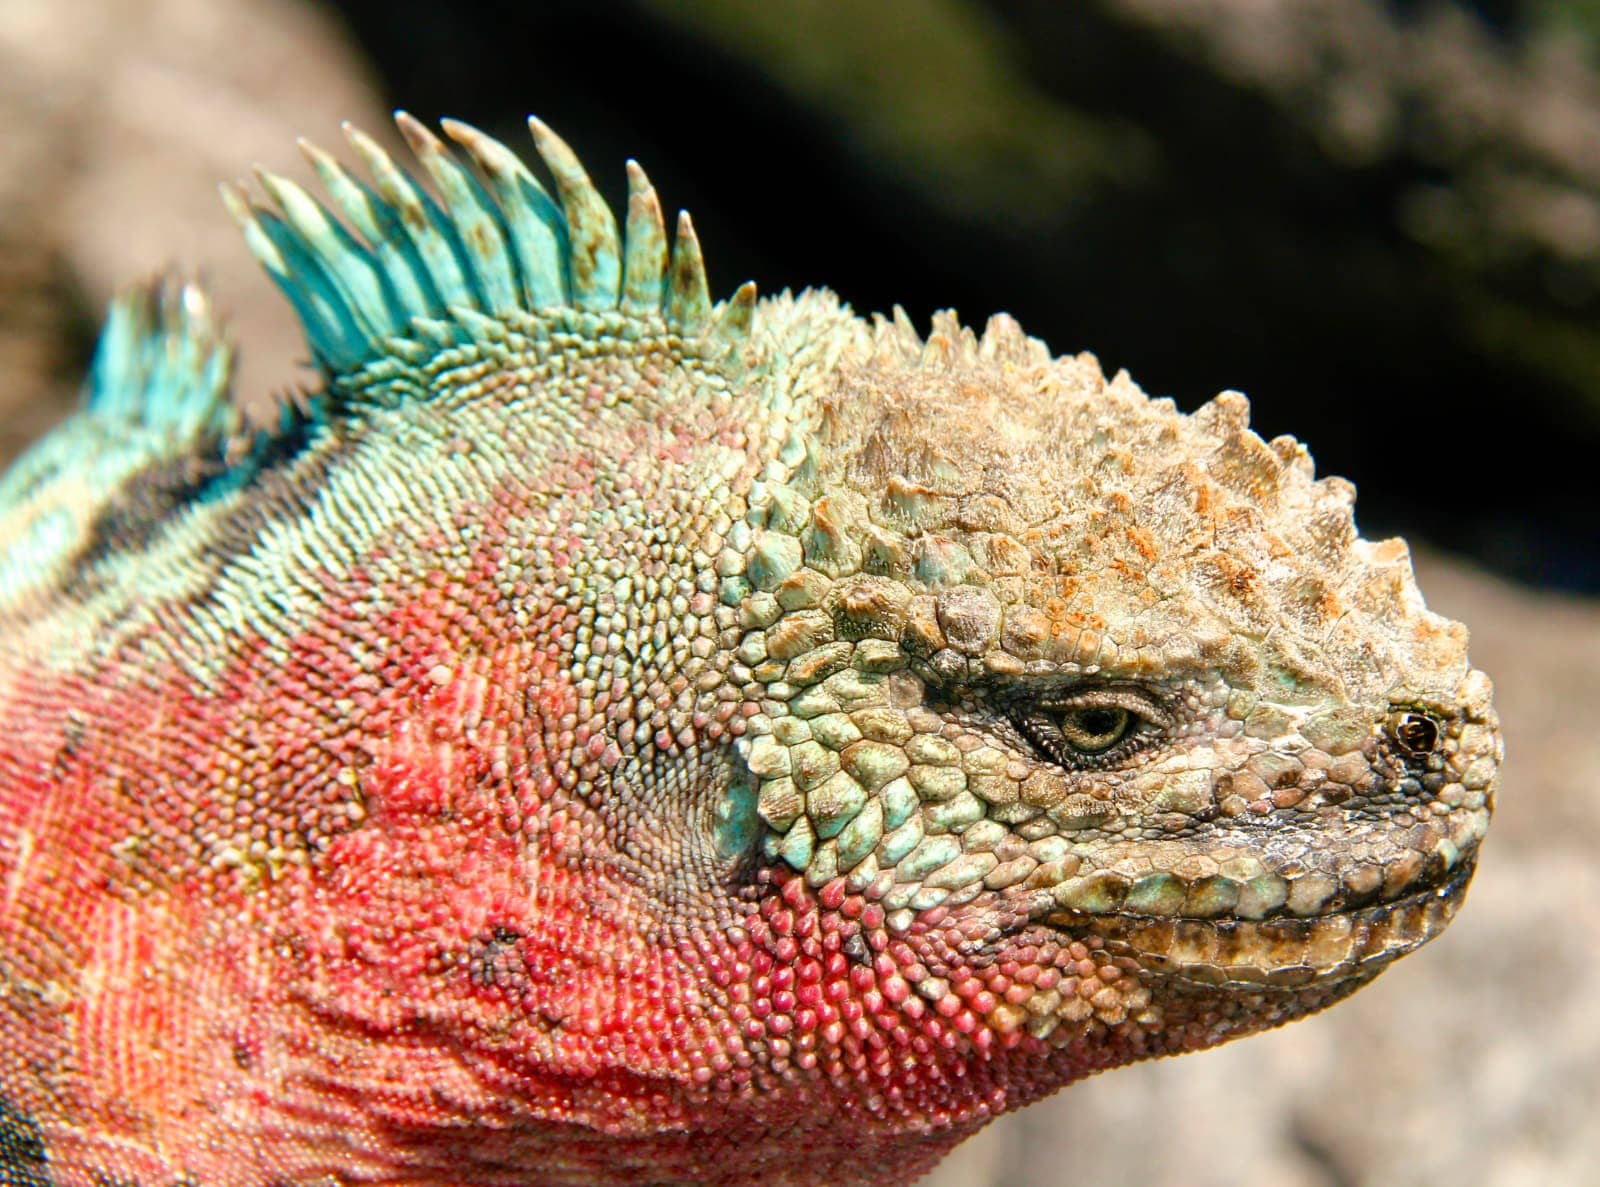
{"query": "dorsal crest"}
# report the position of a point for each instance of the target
(410, 271)
(162, 364)
(157, 420)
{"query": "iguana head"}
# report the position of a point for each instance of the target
(1049, 668)
(781, 742)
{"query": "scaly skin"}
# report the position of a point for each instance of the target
(608, 739)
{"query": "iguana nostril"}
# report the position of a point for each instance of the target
(1417, 733)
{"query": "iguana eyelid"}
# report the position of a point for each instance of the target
(1142, 706)
(1147, 705)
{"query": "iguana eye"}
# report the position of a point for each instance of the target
(1090, 728)
(1095, 729)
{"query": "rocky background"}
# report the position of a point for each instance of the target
(1380, 220)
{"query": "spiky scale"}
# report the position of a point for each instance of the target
(407, 276)
(644, 265)
(344, 262)
(502, 252)
(162, 363)
(688, 297)
(330, 329)
(593, 257)
(475, 218)
(732, 327)
(158, 385)
(538, 231)
(424, 224)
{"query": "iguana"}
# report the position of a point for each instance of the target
(602, 736)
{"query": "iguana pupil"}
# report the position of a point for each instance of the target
(1095, 730)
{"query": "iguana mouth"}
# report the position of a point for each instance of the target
(1287, 952)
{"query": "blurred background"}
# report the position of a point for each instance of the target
(1380, 220)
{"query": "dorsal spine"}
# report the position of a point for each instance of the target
(410, 269)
